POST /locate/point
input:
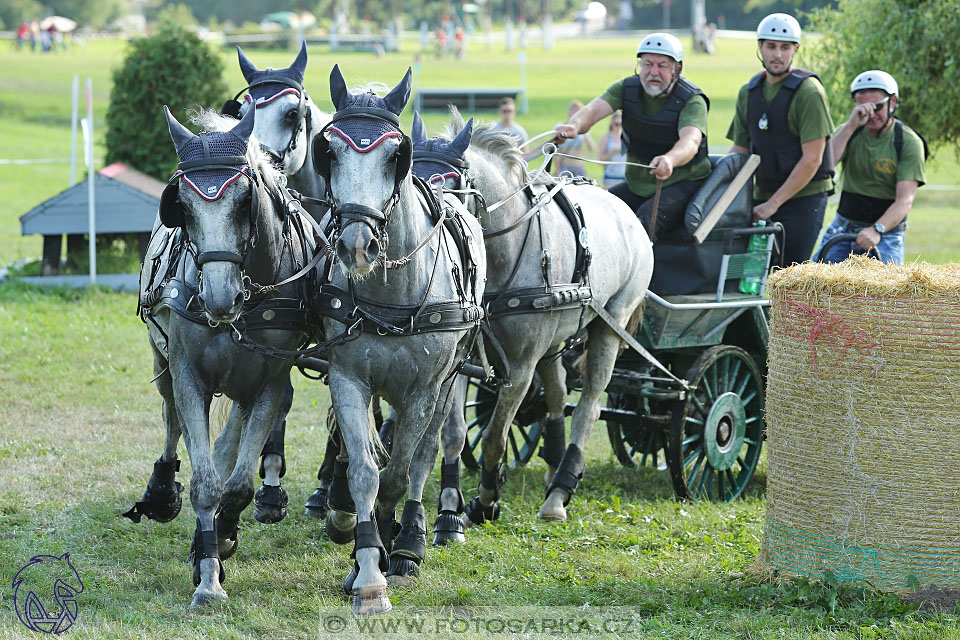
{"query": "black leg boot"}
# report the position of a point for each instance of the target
(161, 501)
(569, 473)
(317, 504)
(448, 526)
(410, 546)
(270, 502)
(492, 480)
(339, 499)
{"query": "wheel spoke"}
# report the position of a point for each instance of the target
(694, 453)
(750, 442)
(732, 479)
(695, 471)
(513, 445)
(707, 389)
(747, 399)
(751, 419)
(702, 483)
(732, 378)
(742, 385)
(692, 420)
(690, 439)
(721, 491)
(476, 440)
(483, 417)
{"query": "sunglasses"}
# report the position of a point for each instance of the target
(877, 106)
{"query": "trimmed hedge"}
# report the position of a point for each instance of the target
(173, 67)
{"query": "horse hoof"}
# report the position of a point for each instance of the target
(402, 572)
(271, 504)
(447, 528)
(552, 515)
(370, 601)
(350, 579)
(340, 526)
(207, 598)
(317, 505)
(468, 523)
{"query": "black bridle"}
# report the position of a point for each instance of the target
(232, 108)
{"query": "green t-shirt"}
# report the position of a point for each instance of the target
(870, 165)
(808, 118)
(693, 114)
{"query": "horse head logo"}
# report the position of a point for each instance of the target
(47, 581)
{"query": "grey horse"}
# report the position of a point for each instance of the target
(399, 324)
(287, 120)
(532, 261)
(216, 324)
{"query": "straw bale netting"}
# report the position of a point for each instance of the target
(863, 422)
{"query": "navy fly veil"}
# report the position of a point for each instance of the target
(209, 147)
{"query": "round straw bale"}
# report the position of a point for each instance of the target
(863, 424)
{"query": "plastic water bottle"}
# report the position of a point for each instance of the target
(757, 248)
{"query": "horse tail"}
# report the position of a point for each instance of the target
(380, 454)
(636, 318)
(219, 414)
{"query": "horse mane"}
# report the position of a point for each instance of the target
(378, 88)
(210, 120)
(496, 143)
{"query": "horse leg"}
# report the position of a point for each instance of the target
(450, 505)
(161, 500)
(226, 445)
(494, 473)
(271, 500)
(554, 378)
(365, 583)
(342, 514)
(602, 348)
(193, 405)
(410, 547)
(317, 504)
(238, 489)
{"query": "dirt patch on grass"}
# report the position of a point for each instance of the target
(934, 599)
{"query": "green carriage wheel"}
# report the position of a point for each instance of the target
(635, 445)
(523, 435)
(716, 433)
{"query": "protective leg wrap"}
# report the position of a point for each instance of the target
(161, 501)
(270, 504)
(554, 441)
(274, 445)
(386, 433)
(569, 472)
(410, 545)
(204, 546)
(367, 536)
(448, 526)
(492, 480)
(339, 497)
(227, 530)
(317, 504)
(450, 479)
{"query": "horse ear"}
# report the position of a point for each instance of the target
(419, 132)
(247, 68)
(179, 133)
(338, 89)
(244, 128)
(462, 141)
(299, 65)
(397, 99)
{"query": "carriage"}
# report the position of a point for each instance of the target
(706, 426)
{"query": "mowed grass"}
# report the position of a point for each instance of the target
(80, 427)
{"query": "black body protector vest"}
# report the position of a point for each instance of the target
(645, 137)
(866, 209)
(770, 136)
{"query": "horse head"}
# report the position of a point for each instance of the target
(219, 221)
(441, 159)
(365, 159)
(285, 110)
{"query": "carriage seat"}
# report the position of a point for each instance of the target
(680, 265)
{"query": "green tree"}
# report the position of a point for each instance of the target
(914, 40)
(173, 67)
(87, 13)
(13, 12)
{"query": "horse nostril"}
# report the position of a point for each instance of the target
(373, 248)
(237, 301)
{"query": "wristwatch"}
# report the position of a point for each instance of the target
(879, 228)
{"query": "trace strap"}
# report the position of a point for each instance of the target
(541, 202)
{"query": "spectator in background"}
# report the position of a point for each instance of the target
(574, 146)
(611, 150)
(22, 33)
(508, 111)
(460, 42)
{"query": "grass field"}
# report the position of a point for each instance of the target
(80, 429)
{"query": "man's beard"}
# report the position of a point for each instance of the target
(653, 92)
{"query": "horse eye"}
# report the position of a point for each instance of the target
(291, 115)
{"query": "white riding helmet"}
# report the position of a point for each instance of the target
(874, 79)
(662, 43)
(779, 26)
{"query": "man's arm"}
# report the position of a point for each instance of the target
(894, 215)
(582, 120)
(858, 118)
(800, 177)
(738, 149)
(680, 154)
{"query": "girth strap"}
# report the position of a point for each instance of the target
(219, 256)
